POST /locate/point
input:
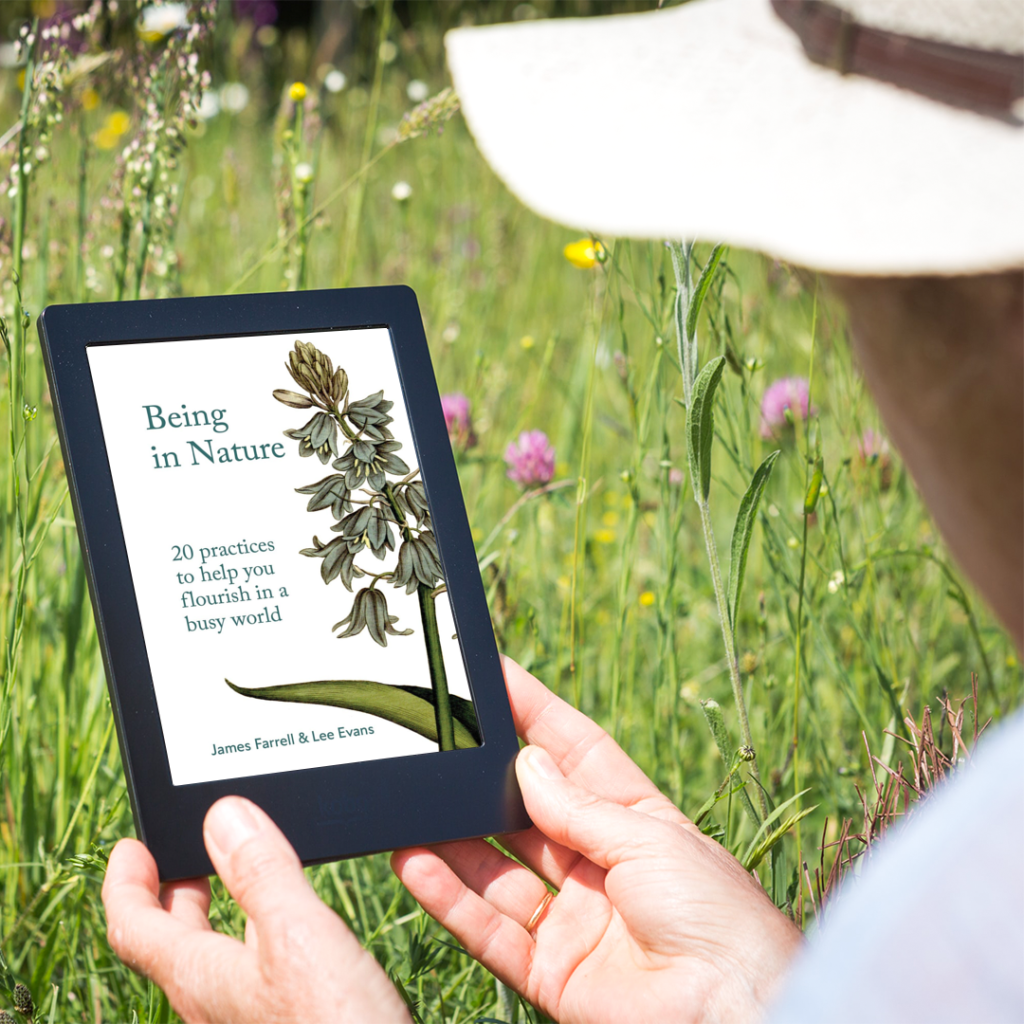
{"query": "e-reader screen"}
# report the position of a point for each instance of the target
(291, 594)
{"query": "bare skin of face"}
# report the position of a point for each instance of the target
(944, 359)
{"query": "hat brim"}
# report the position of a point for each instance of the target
(707, 121)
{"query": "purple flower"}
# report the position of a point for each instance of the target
(873, 450)
(791, 393)
(531, 459)
(872, 445)
(458, 420)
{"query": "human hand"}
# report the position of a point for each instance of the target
(298, 962)
(653, 920)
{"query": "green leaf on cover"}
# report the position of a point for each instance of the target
(700, 426)
(743, 531)
(408, 706)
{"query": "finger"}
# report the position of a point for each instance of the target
(604, 831)
(504, 947)
(255, 861)
(583, 751)
(188, 961)
(510, 888)
(264, 874)
(252, 939)
(188, 901)
(553, 862)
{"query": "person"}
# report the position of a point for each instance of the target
(880, 143)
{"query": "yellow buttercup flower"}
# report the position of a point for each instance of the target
(585, 253)
(297, 92)
(118, 122)
(647, 599)
(605, 536)
(90, 99)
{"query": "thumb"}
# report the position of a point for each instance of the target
(605, 832)
(257, 864)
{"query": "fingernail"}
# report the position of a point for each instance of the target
(230, 823)
(539, 760)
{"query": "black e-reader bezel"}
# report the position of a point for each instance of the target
(327, 813)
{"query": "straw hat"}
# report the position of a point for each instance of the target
(711, 120)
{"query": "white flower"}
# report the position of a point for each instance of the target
(234, 97)
(209, 106)
(836, 581)
(335, 80)
(304, 173)
(388, 51)
(451, 332)
(157, 22)
(417, 91)
(400, 191)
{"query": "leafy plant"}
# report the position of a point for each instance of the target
(373, 495)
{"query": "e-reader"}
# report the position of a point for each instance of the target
(284, 581)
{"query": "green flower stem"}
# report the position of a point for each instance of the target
(432, 639)
(730, 648)
(438, 677)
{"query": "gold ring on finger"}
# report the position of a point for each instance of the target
(542, 907)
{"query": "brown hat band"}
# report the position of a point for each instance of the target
(984, 81)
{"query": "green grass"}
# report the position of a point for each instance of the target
(601, 588)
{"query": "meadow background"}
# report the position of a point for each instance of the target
(851, 612)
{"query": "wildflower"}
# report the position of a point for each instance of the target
(605, 536)
(458, 420)
(157, 22)
(90, 98)
(451, 332)
(388, 52)
(675, 477)
(526, 341)
(531, 459)
(335, 80)
(647, 599)
(585, 253)
(303, 173)
(297, 92)
(748, 663)
(873, 450)
(401, 191)
(787, 393)
(234, 97)
(417, 91)
(836, 581)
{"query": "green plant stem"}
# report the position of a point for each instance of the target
(83, 210)
(800, 595)
(431, 638)
(730, 647)
(796, 674)
(356, 207)
(438, 676)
